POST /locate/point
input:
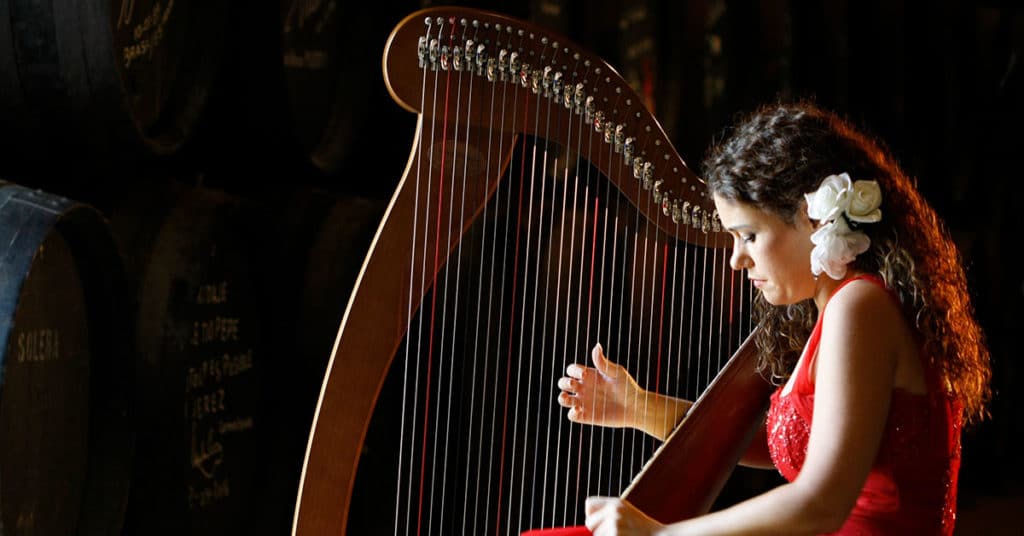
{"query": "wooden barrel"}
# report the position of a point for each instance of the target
(104, 79)
(319, 242)
(338, 108)
(195, 270)
(66, 368)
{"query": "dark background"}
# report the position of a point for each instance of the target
(941, 85)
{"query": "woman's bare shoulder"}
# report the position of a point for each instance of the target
(863, 303)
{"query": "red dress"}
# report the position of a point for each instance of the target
(911, 488)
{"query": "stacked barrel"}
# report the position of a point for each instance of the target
(186, 199)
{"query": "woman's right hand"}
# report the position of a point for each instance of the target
(604, 395)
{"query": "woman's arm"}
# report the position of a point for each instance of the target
(855, 369)
(658, 414)
(606, 395)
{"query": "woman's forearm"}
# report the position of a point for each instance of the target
(658, 415)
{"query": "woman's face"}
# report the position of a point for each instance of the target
(775, 254)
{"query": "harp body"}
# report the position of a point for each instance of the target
(450, 66)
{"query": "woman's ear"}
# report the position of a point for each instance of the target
(804, 220)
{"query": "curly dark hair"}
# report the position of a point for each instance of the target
(779, 152)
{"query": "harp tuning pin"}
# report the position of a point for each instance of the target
(638, 168)
(628, 147)
(422, 50)
(491, 69)
(524, 75)
(445, 54)
(619, 137)
(481, 56)
(656, 190)
(457, 58)
(434, 52)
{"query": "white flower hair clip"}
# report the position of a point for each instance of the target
(839, 204)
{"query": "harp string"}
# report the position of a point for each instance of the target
(590, 301)
(555, 343)
(655, 309)
(574, 454)
(558, 365)
(577, 454)
(526, 357)
(411, 301)
(432, 333)
(462, 217)
(644, 357)
(641, 368)
(480, 313)
(512, 295)
(547, 274)
(445, 285)
(499, 326)
(499, 323)
(604, 432)
(614, 276)
(522, 319)
(512, 309)
(711, 302)
(671, 333)
(403, 415)
(590, 288)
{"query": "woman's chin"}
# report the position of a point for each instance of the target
(773, 297)
(767, 294)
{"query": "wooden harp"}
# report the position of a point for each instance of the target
(542, 209)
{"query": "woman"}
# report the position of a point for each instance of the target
(865, 323)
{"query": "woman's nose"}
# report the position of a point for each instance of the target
(739, 259)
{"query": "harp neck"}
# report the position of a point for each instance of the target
(438, 55)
